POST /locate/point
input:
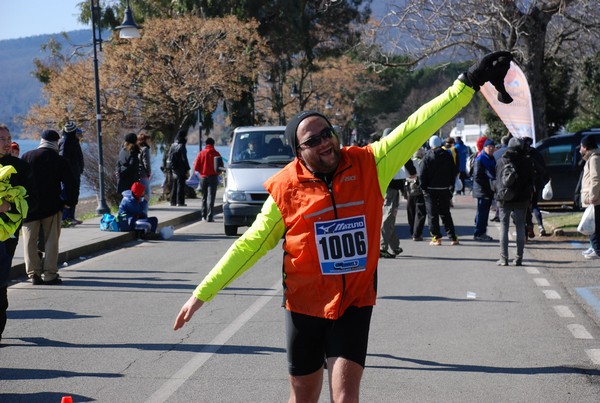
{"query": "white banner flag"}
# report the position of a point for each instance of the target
(518, 115)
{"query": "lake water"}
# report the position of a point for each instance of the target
(156, 161)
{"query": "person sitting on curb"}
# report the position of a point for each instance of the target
(133, 209)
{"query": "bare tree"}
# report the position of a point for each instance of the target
(535, 31)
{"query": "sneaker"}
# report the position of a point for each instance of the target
(592, 255)
(66, 223)
(182, 205)
(588, 251)
(502, 262)
(76, 221)
(454, 242)
(417, 238)
(530, 233)
(385, 254)
(435, 242)
(56, 281)
(398, 251)
(483, 237)
(518, 262)
(36, 280)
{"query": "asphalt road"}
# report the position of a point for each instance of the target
(449, 326)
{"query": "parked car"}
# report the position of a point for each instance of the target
(257, 153)
(561, 154)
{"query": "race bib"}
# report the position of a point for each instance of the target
(342, 245)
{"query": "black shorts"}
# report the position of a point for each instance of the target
(310, 340)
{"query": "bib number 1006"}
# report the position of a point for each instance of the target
(346, 245)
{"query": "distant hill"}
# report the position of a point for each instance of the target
(19, 88)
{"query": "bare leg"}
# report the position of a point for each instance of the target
(306, 388)
(344, 380)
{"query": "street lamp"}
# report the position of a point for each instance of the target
(128, 29)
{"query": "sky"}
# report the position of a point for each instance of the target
(23, 18)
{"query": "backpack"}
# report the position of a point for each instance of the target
(507, 182)
(108, 222)
(471, 164)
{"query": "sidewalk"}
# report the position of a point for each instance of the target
(86, 238)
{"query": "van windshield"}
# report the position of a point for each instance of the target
(260, 148)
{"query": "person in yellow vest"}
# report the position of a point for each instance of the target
(327, 203)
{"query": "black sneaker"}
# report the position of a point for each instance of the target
(56, 281)
(386, 255)
(36, 280)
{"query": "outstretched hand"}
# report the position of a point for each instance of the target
(187, 311)
(493, 68)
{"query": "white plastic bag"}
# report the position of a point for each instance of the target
(167, 232)
(547, 193)
(587, 225)
(458, 186)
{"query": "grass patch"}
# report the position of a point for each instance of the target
(564, 221)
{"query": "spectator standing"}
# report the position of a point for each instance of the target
(541, 178)
(391, 202)
(497, 154)
(177, 163)
(590, 189)
(415, 201)
(437, 181)
(323, 328)
(145, 165)
(55, 187)
(128, 164)
(462, 154)
(69, 147)
(207, 165)
(517, 204)
(22, 177)
(484, 174)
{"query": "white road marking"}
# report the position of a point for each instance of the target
(541, 282)
(551, 294)
(532, 270)
(563, 311)
(178, 379)
(594, 355)
(579, 332)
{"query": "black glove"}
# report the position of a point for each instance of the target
(492, 67)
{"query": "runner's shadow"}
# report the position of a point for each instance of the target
(427, 365)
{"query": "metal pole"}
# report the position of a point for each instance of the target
(102, 206)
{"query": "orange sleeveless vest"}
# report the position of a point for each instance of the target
(331, 246)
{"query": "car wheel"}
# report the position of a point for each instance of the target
(231, 230)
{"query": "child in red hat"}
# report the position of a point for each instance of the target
(133, 209)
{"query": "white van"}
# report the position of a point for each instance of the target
(470, 134)
(257, 153)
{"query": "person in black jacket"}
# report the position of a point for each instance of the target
(128, 164)
(540, 179)
(70, 148)
(55, 187)
(23, 177)
(179, 166)
(517, 205)
(437, 181)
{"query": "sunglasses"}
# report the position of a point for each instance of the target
(317, 139)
